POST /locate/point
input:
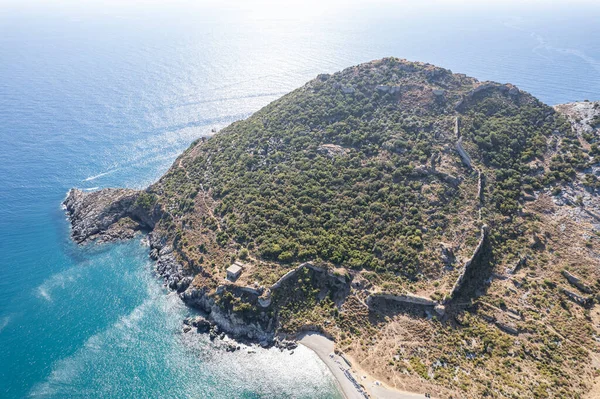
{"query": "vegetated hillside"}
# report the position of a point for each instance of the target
(455, 221)
(359, 169)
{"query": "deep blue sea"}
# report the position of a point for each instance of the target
(98, 96)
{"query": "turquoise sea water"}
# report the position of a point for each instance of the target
(95, 97)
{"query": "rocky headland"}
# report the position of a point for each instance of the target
(443, 231)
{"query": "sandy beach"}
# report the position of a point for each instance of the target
(353, 385)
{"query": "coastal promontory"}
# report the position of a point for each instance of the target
(442, 230)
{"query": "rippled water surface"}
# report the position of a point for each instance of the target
(100, 97)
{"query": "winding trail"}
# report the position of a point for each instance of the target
(204, 194)
(209, 209)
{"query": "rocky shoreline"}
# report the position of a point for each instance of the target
(116, 214)
(109, 215)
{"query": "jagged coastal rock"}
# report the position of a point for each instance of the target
(107, 215)
(429, 223)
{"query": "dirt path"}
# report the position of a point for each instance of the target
(209, 209)
(204, 195)
(180, 164)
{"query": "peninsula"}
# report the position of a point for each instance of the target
(442, 231)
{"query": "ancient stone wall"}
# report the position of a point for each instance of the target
(406, 298)
(470, 262)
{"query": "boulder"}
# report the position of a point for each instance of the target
(509, 328)
(583, 301)
(199, 322)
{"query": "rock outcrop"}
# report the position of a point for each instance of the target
(581, 300)
(94, 215)
(261, 323)
(167, 265)
(388, 89)
(108, 214)
(507, 90)
(577, 282)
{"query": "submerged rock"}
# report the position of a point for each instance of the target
(201, 324)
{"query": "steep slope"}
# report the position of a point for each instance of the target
(441, 229)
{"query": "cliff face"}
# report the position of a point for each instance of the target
(108, 214)
(352, 210)
(102, 215)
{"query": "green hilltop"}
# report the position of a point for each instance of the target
(393, 201)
